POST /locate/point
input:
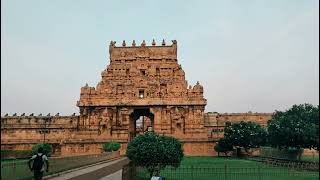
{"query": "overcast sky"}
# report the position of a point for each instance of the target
(250, 55)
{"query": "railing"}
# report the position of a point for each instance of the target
(300, 165)
(18, 169)
(227, 172)
(128, 171)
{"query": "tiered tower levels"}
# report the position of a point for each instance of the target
(142, 75)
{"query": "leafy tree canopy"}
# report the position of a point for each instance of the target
(245, 134)
(296, 127)
(155, 152)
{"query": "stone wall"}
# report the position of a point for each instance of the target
(198, 148)
(140, 81)
(35, 129)
(311, 152)
(215, 122)
(67, 138)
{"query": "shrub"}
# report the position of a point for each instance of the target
(155, 152)
(111, 146)
(223, 146)
(47, 149)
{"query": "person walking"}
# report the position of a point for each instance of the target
(40, 163)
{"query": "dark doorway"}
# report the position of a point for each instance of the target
(142, 120)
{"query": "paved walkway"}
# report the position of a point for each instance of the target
(115, 176)
(106, 171)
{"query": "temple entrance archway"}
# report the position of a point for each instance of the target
(141, 121)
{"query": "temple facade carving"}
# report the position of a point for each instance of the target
(143, 88)
(144, 78)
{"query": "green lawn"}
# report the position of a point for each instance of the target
(310, 158)
(20, 171)
(208, 168)
(12, 160)
(192, 168)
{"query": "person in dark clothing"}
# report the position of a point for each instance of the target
(40, 163)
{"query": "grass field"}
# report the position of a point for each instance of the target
(192, 168)
(20, 171)
(209, 168)
(310, 158)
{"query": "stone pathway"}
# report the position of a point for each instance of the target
(106, 171)
(115, 176)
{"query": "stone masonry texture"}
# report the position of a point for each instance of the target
(140, 81)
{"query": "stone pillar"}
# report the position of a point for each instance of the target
(156, 119)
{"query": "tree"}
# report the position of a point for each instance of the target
(155, 152)
(297, 127)
(111, 146)
(47, 149)
(223, 146)
(245, 134)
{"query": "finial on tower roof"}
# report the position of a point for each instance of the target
(123, 43)
(174, 41)
(153, 42)
(134, 43)
(112, 43)
(143, 43)
(163, 43)
(111, 46)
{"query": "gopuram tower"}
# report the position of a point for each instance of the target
(144, 89)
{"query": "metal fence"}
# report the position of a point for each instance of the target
(259, 172)
(18, 169)
(128, 171)
(291, 164)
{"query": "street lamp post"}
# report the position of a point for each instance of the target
(44, 131)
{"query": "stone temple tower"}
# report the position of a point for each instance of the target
(143, 81)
